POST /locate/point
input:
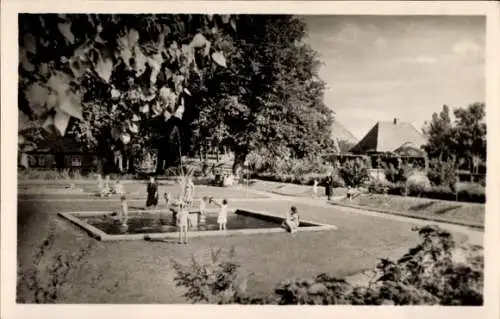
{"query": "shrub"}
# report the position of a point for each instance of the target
(470, 192)
(442, 172)
(379, 187)
(395, 175)
(440, 192)
(426, 274)
(354, 173)
(417, 184)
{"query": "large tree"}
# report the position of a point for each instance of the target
(112, 81)
(470, 134)
(463, 140)
(269, 96)
(439, 133)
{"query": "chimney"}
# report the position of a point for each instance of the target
(395, 121)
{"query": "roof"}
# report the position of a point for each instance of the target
(389, 137)
(340, 133)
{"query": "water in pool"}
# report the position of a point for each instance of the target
(151, 223)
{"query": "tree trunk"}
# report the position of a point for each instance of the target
(131, 165)
(239, 161)
(160, 164)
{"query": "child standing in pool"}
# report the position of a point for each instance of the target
(222, 217)
(124, 210)
(182, 223)
(203, 207)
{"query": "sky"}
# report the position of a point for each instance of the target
(382, 67)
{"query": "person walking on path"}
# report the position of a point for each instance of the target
(152, 190)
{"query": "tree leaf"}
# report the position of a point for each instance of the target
(37, 96)
(71, 104)
(144, 108)
(167, 115)
(115, 93)
(135, 118)
(59, 82)
(134, 128)
(61, 120)
(233, 24)
(25, 62)
(133, 37)
(24, 122)
(29, 43)
(198, 41)
(180, 110)
(187, 91)
(49, 121)
(140, 61)
(219, 58)
(206, 52)
(125, 138)
(104, 68)
(65, 29)
(24, 160)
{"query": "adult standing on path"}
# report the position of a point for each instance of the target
(328, 187)
(152, 190)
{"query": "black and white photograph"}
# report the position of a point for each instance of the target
(249, 158)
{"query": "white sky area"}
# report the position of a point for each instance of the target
(380, 67)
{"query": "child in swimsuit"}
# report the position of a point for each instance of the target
(222, 217)
(291, 223)
(203, 207)
(182, 223)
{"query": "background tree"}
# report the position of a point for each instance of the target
(460, 141)
(107, 79)
(439, 133)
(470, 135)
(270, 95)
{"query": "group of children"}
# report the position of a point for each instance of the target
(184, 222)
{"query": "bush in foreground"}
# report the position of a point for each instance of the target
(427, 274)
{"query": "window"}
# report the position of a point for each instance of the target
(31, 160)
(76, 161)
(41, 160)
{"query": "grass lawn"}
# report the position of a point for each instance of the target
(143, 269)
(447, 210)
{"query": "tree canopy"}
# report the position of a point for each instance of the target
(270, 95)
(132, 83)
(463, 140)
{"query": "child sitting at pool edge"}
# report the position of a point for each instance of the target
(291, 222)
(222, 217)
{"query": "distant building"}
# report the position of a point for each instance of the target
(392, 139)
(396, 137)
(58, 153)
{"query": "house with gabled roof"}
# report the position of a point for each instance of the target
(391, 137)
(396, 139)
